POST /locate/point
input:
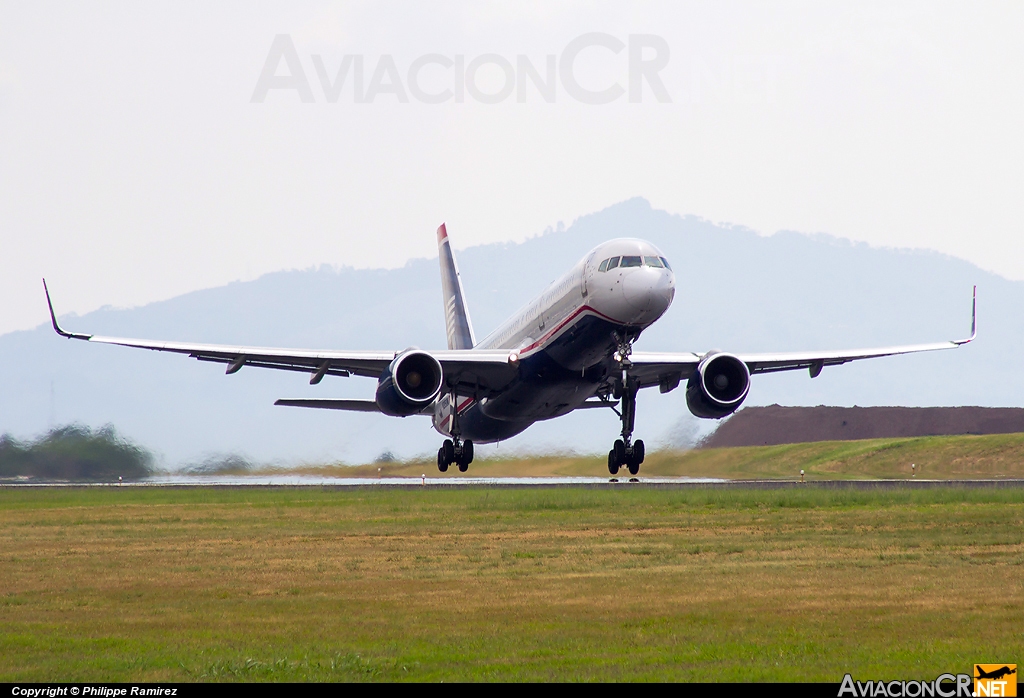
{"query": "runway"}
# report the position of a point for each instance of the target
(283, 480)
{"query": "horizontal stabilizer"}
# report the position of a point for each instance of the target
(329, 404)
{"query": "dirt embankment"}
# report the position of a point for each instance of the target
(773, 425)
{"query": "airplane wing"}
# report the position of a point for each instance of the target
(473, 372)
(667, 369)
(484, 373)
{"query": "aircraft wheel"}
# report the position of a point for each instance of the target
(634, 466)
(463, 466)
(448, 448)
(442, 464)
(620, 452)
(467, 451)
(639, 451)
(613, 464)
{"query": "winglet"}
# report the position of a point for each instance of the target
(53, 319)
(974, 320)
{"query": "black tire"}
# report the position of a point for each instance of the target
(639, 452)
(620, 452)
(442, 464)
(463, 466)
(467, 452)
(613, 465)
(449, 451)
(634, 466)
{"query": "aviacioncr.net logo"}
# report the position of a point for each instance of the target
(995, 680)
(943, 686)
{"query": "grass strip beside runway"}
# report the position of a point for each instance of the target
(992, 456)
(308, 584)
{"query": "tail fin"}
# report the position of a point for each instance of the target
(456, 315)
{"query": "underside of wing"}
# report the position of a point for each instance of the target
(667, 369)
(662, 369)
(815, 361)
(480, 373)
(465, 370)
(318, 363)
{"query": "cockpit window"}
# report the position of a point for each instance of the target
(612, 263)
(632, 261)
(653, 262)
(665, 262)
(604, 266)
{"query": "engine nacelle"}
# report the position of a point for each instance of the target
(409, 383)
(718, 387)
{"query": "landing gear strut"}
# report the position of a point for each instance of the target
(626, 452)
(455, 450)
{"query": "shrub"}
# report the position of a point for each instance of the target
(75, 452)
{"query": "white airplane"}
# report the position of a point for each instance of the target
(569, 348)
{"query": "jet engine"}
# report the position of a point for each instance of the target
(409, 383)
(718, 386)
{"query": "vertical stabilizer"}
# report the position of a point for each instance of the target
(456, 315)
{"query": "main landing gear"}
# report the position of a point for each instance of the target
(455, 451)
(626, 452)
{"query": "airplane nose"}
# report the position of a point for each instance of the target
(648, 292)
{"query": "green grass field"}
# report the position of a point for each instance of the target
(145, 584)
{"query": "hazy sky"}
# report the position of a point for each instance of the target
(142, 155)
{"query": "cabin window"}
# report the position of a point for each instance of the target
(612, 263)
(604, 266)
(632, 261)
(665, 262)
(653, 262)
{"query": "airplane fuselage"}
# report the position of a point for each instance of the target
(565, 340)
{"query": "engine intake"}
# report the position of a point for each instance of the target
(409, 383)
(718, 387)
